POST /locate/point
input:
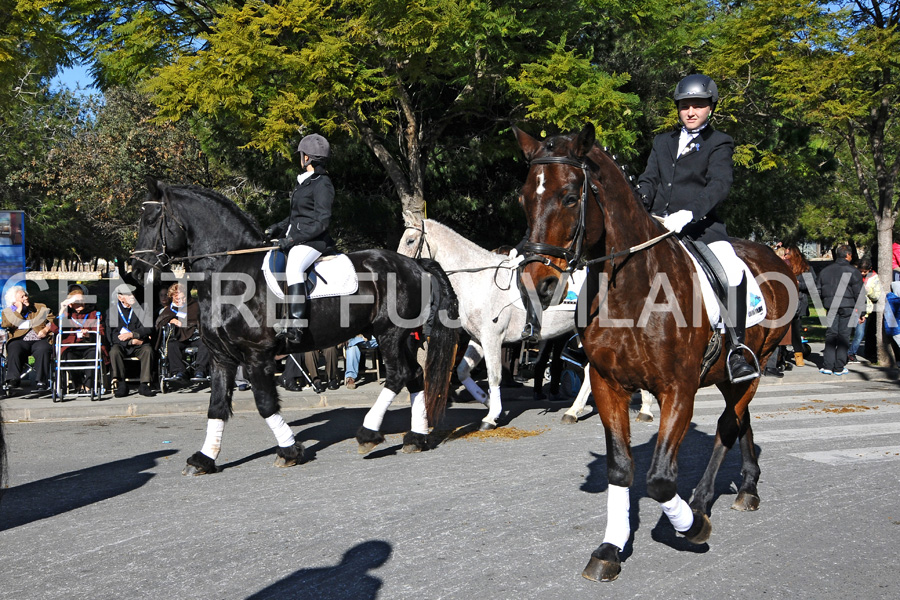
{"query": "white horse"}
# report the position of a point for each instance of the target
(489, 307)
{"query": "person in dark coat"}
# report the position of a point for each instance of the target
(304, 233)
(128, 336)
(183, 315)
(688, 175)
(840, 287)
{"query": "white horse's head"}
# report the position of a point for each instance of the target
(413, 242)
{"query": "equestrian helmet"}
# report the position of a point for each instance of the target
(315, 146)
(697, 86)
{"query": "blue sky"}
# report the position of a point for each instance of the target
(73, 79)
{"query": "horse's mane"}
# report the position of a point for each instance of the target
(223, 202)
(468, 248)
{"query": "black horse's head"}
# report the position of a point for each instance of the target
(162, 234)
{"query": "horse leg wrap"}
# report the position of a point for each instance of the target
(679, 513)
(213, 443)
(419, 417)
(476, 391)
(618, 509)
(495, 405)
(376, 414)
(282, 432)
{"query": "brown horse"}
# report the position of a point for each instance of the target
(583, 211)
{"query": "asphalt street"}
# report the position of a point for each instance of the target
(96, 506)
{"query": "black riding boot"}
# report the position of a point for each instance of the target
(738, 367)
(297, 309)
(531, 333)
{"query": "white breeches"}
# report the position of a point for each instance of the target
(299, 260)
(733, 266)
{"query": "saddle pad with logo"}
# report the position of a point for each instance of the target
(756, 304)
(329, 276)
(576, 281)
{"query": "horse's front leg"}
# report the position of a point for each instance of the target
(222, 382)
(612, 404)
(494, 364)
(261, 374)
(676, 408)
(571, 415)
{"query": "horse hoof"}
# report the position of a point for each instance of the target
(569, 419)
(368, 439)
(604, 564)
(644, 418)
(700, 531)
(414, 442)
(200, 464)
(746, 501)
(289, 456)
(485, 426)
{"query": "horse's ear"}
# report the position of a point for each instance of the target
(528, 144)
(156, 189)
(585, 140)
(411, 219)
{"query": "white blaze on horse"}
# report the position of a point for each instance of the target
(490, 306)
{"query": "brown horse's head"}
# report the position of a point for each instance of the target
(562, 205)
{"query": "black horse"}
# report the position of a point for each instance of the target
(204, 229)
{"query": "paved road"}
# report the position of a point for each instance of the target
(97, 508)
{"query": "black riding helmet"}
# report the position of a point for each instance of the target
(697, 86)
(315, 147)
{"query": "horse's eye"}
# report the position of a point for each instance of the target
(409, 241)
(570, 200)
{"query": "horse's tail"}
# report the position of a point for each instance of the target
(441, 340)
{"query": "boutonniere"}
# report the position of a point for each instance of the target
(694, 147)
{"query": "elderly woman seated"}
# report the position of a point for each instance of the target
(28, 326)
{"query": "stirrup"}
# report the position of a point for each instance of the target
(754, 366)
(530, 335)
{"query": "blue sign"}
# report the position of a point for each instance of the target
(12, 248)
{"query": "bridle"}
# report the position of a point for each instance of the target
(574, 253)
(539, 251)
(160, 254)
(422, 242)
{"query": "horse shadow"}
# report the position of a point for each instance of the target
(76, 489)
(348, 580)
(693, 457)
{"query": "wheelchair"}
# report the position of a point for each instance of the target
(92, 384)
(168, 380)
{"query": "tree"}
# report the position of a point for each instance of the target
(395, 75)
(834, 65)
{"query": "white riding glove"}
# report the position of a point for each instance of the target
(676, 221)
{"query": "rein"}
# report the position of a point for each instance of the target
(163, 260)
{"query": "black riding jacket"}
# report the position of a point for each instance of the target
(698, 181)
(311, 203)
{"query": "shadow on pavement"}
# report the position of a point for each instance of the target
(76, 489)
(349, 580)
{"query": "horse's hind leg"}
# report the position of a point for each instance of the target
(204, 461)
(494, 365)
(733, 424)
(369, 434)
(470, 360)
(571, 415)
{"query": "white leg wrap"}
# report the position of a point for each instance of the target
(646, 401)
(213, 443)
(679, 513)
(618, 509)
(495, 406)
(376, 414)
(419, 416)
(476, 391)
(282, 432)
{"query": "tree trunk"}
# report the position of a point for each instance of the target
(884, 228)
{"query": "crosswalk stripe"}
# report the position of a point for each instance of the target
(852, 455)
(797, 434)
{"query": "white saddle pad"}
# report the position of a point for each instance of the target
(334, 275)
(756, 304)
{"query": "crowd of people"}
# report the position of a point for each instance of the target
(28, 330)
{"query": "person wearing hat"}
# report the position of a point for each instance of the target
(129, 337)
(28, 327)
(688, 174)
(303, 236)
